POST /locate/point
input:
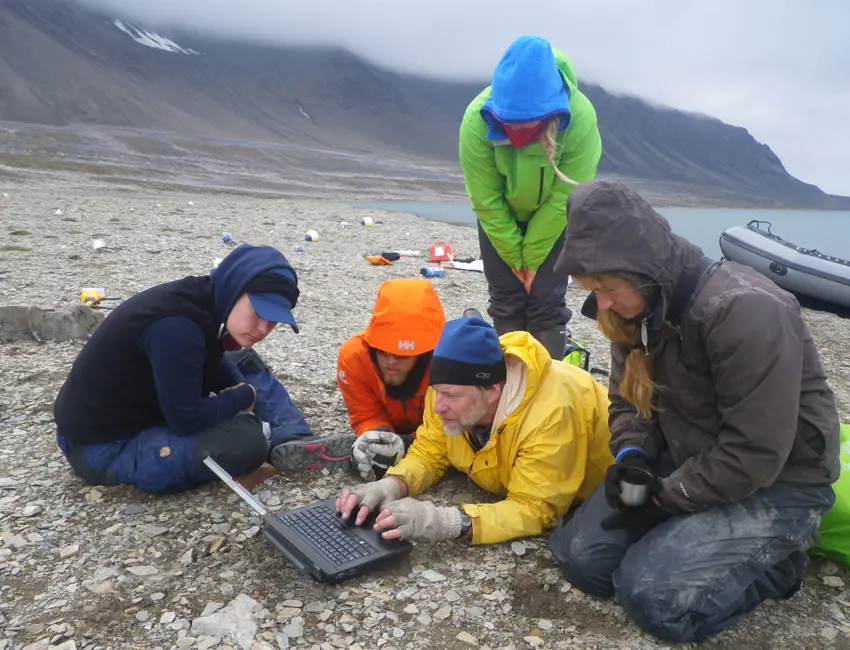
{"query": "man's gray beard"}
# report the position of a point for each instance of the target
(466, 424)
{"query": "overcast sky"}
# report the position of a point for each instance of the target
(780, 68)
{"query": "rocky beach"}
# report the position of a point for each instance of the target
(84, 568)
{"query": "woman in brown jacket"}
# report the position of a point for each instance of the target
(719, 404)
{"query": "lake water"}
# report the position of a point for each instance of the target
(826, 231)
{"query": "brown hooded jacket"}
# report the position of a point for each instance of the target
(744, 402)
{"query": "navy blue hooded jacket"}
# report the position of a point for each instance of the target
(157, 357)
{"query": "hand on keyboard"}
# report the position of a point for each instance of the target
(418, 520)
(370, 496)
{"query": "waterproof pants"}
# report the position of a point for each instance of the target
(694, 575)
(543, 313)
(159, 461)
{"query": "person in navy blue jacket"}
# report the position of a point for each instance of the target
(169, 378)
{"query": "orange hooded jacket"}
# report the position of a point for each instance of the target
(407, 320)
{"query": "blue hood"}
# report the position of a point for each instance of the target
(527, 86)
(242, 265)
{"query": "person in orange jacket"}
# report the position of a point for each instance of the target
(382, 373)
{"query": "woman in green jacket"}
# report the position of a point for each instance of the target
(525, 141)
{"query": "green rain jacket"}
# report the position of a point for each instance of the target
(509, 186)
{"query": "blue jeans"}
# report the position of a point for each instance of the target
(694, 575)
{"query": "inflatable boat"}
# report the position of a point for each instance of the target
(796, 269)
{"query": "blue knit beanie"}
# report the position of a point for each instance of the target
(468, 354)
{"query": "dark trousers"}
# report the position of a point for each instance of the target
(694, 575)
(157, 460)
(511, 309)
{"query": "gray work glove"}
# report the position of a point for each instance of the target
(375, 494)
(421, 520)
(372, 444)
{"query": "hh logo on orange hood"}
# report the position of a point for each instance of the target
(408, 318)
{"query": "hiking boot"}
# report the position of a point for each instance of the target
(314, 452)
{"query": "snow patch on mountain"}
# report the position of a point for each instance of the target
(151, 39)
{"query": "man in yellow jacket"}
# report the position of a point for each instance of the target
(519, 424)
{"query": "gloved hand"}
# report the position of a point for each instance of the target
(639, 518)
(370, 495)
(419, 520)
(372, 444)
(636, 458)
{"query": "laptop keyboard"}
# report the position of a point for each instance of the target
(328, 534)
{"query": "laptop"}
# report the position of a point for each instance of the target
(316, 541)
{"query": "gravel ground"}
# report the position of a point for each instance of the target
(87, 567)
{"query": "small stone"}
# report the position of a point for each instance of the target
(533, 641)
(112, 529)
(411, 609)
(833, 581)
(134, 509)
(443, 613)
(142, 616)
(828, 569)
(407, 592)
(216, 545)
(273, 500)
(207, 642)
(325, 615)
(94, 495)
(292, 603)
(186, 642)
(398, 632)
(34, 538)
(70, 644)
(452, 596)
(424, 619)
(154, 531)
(433, 576)
(101, 587)
(211, 608)
(518, 548)
(142, 571)
(829, 633)
(293, 630)
(167, 617)
(282, 642)
(186, 558)
(69, 551)
(15, 541)
(544, 624)
(30, 510)
(156, 597)
(467, 638)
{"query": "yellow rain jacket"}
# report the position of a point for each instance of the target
(548, 445)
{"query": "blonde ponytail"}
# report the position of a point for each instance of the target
(636, 384)
(548, 138)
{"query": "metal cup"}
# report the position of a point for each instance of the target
(634, 485)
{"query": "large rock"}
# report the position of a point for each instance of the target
(235, 621)
(21, 323)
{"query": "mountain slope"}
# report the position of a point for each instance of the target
(64, 64)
